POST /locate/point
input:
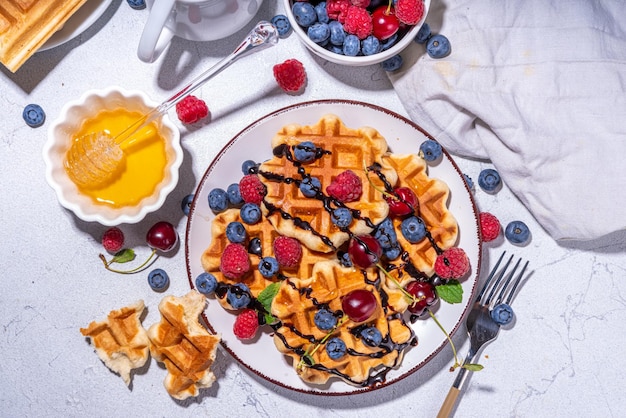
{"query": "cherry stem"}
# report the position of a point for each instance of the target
(322, 341)
(143, 266)
(412, 298)
(456, 359)
(378, 189)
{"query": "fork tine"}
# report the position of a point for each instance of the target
(491, 274)
(505, 286)
(495, 286)
(517, 282)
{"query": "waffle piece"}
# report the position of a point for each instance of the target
(120, 341)
(266, 233)
(309, 219)
(297, 302)
(183, 345)
(25, 25)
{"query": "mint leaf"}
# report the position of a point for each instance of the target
(123, 256)
(451, 292)
(265, 298)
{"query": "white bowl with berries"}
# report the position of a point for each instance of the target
(152, 157)
(356, 32)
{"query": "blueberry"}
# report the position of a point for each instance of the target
(344, 259)
(371, 336)
(185, 204)
(342, 217)
(392, 252)
(324, 319)
(236, 232)
(502, 314)
(283, 27)
(218, 200)
(517, 232)
(322, 13)
(371, 45)
(250, 213)
(238, 296)
(351, 45)
(389, 42)
(430, 150)
(423, 34)
(336, 348)
(489, 180)
(268, 267)
(334, 49)
(392, 64)
(318, 32)
(310, 186)
(304, 13)
(206, 283)
(158, 280)
(248, 167)
(385, 234)
(33, 115)
(469, 182)
(305, 152)
(438, 46)
(413, 229)
(337, 34)
(234, 195)
(254, 247)
(137, 4)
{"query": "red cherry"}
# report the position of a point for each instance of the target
(385, 23)
(359, 305)
(404, 202)
(364, 251)
(162, 236)
(425, 294)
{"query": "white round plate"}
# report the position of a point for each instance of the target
(78, 23)
(403, 136)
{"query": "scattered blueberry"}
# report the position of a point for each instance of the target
(438, 46)
(324, 319)
(236, 232)
(371, 45)
(393, 63)
(318, 32)
(336, 348)
(304, 13)
(250, 213)
(489, 180)
(158, 280)
(254, 247)
(248, 166)
(218, 200)
(337, 34)
(469, 181)
(268, 267)
(234, 195)
(281, 22)
(137, 4)
(322, 12)
(238, 296)
(206, 283)
(517, 232)
(413, 229)
(423, 34)
(342, 217)
(430, 150)
(371, 336)
(33, 115)
(305, 152)
(351, 45)
(310, 186)
(185, 204)
(502, 314)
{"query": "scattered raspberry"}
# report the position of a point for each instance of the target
(489, 226)
(113, 239)
(452, 264)
(246, 324)
(290, 75)
(409, 11)
(358, 22)
(191, 110)
(346, 187)
(234, 262)
(337, 9)
(251, 189)
(287, 251)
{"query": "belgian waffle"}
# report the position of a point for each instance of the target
(25, 25)
(183, 345)
(309, 219)
(120, 341)
(295, 306)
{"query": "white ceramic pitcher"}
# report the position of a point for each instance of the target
(195, 20)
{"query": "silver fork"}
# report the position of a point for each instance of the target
(481, 327)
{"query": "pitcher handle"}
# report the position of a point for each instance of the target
(156, 36)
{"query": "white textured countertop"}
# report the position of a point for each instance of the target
(560, 358)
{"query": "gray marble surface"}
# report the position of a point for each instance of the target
(561, 358)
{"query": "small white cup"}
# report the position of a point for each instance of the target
(195, 20)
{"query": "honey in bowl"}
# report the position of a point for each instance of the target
(145, 159)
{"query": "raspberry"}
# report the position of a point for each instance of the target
(358, 22)
(251, 189)
(409, 12)
(290, 75)
(113, 239)
(287, 251)
(234, 262)
(489, 226)
(360, 3)
(246, 324)
(337, 9)
(346, 187)
(191, 110)
(452, 264)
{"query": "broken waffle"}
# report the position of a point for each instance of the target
(338, 149)
(183, 345)
(298, 301)
(120, 341)
(25, 25)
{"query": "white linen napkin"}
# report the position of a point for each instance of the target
(539, 88)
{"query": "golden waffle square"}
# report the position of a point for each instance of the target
(344, 149)
(120, 341)
(25, 25)
(298, 301)
(183, 345)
